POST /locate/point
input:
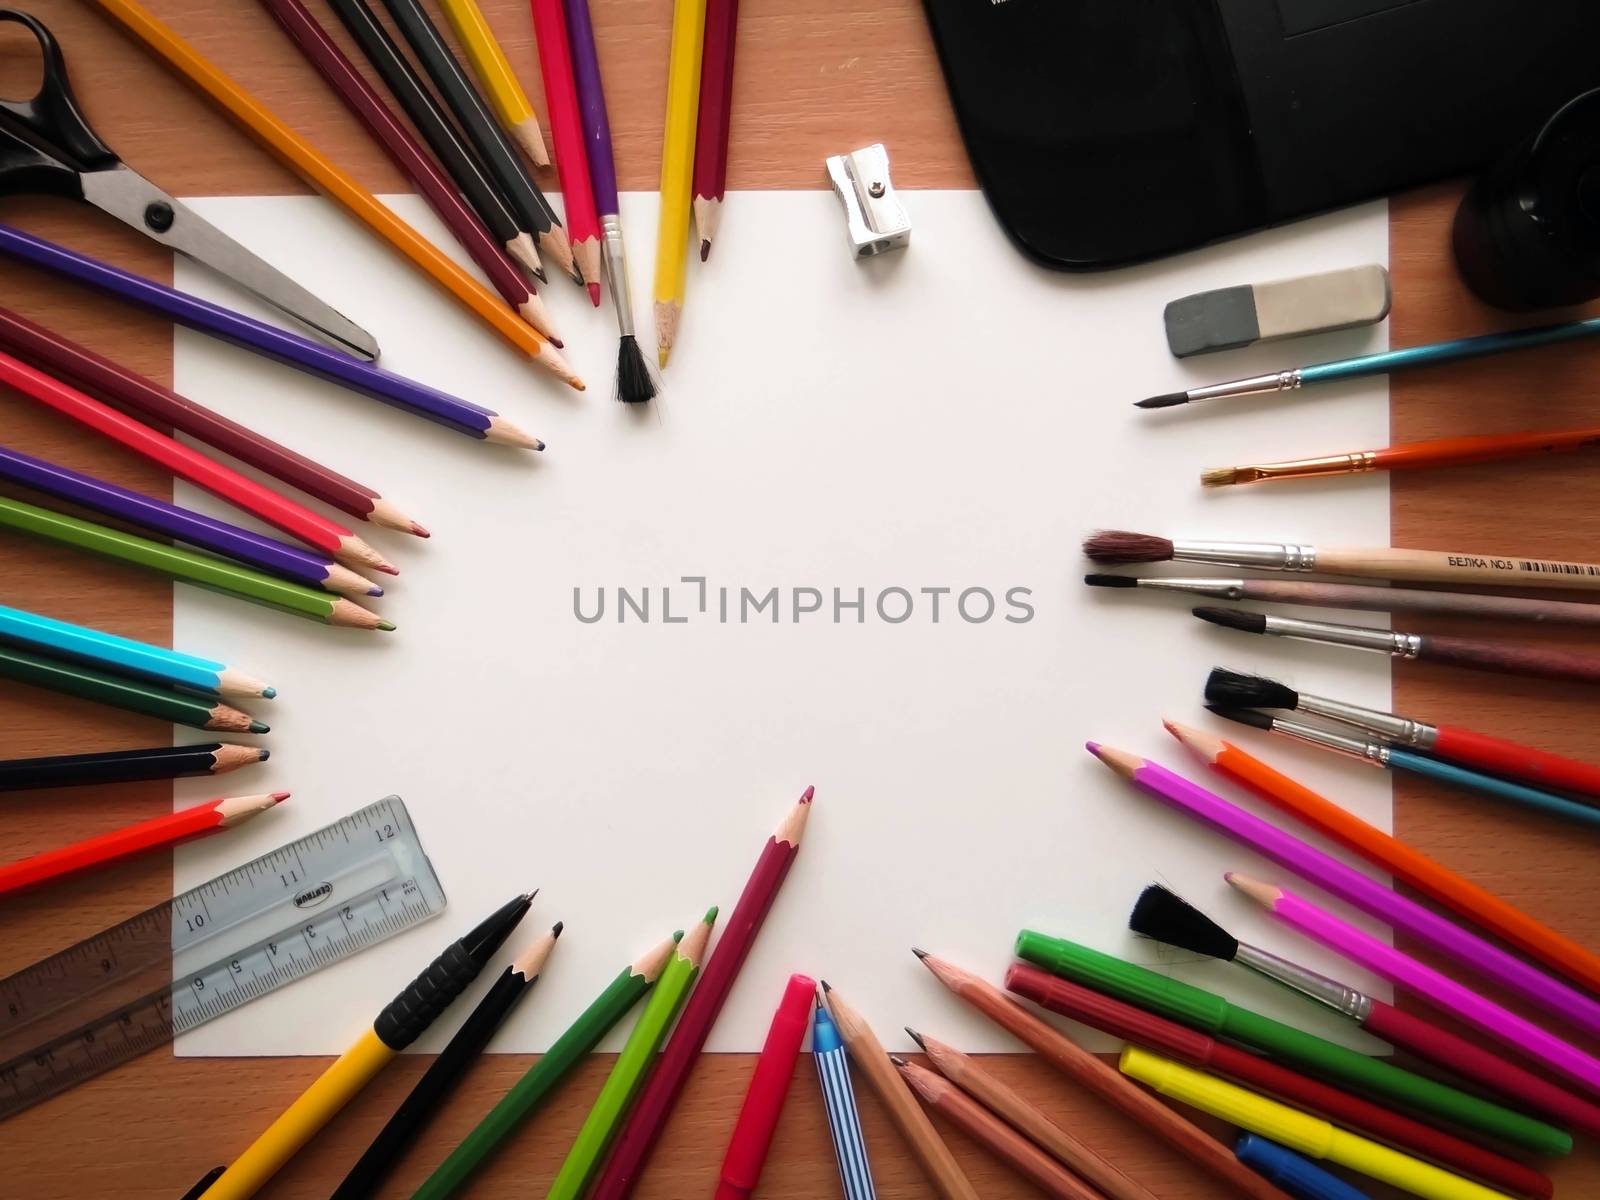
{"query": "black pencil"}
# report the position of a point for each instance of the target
(459, 162)
(435, 1086)
(482, 130)
(125, 766)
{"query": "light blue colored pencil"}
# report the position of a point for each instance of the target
(839, 1098)
(1388, 361)
(1492, 785)
(123, 656)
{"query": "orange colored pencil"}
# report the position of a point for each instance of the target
(1071, 1059)
(1421, 872)
(998, 1138)
(1442, 452)
(318, 170)
(186, 824)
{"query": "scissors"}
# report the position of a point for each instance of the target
(47, 147)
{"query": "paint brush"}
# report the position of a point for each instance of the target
(1377, 562)
(1474, 654)
(1233, 689)
(1409, 358)
(1362, 597)
(1166, 917)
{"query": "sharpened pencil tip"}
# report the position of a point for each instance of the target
(374, 590)
(269, 693)
(260, 727)
(915, 1036)
(594, 293)
(805, 796)
(1093, 748)
(555, 930)
(279, 797)
(827, 988)
(387, 626)
(705, 249)
(919, 952)
(263, 754)
(386, 568)
(711, 914)
(419, 531)
(897, 1060)
(1166, 400)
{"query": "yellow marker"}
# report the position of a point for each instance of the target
(397, 1026)
(494, 71)
(318, 170)
(1309, 1135)
(677, 170)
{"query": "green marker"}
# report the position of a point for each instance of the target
(1200, 1009)
(529, 1092)
(216, 574)
(632, 1067)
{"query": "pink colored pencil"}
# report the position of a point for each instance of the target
(1433, 987)
(1351, 886)
(566, 129)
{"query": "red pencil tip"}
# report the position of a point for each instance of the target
(279, 797)
(705, 249)
(387, 569)
(594, 296)
(805, 797)
(419, 531)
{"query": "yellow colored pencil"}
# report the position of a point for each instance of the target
(677, 170)
(318, 170)
(493, 68)
(1289, 1127)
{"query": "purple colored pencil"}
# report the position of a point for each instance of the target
(260, 338)
(253, 549)
(1351, 886)
(592, 107)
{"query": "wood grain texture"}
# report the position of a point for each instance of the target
(816, 77)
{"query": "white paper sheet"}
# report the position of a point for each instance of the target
(948, 417)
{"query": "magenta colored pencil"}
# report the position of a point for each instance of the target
(682, 1051)
(1354, 888)
(1431, 986)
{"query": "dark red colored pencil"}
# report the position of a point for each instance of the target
(114, 384)
(660, 1092)
(1121, 1020)
(359, 96)
(716, 110)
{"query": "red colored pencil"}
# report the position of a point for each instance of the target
(1122, 1020)
(117, 385)
(566, 130)
(359, 96)
(107, 848)
(716, 109)
(769, 1088)
(288, 515)
(660, 1092)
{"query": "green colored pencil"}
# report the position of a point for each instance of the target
(61, 676)
(632, 1066)
(525, 1096)
(201, 569)
(1200, 1009)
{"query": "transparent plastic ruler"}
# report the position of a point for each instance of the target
(170, 969)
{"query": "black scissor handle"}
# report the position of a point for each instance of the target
(51, 118)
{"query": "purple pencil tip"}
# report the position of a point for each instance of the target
(1093, 748)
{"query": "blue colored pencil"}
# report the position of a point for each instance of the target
(123, 656)
(1493, 785)
(839, 1098)
(260, 338)
(1298, 1176)
(184, 525)
(1405, 359)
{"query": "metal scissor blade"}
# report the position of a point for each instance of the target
(134, 200)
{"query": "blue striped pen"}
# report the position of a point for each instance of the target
(123, 656)
(1406, 359)
(1397, 758)
(183, 525)
(1298, 1176)
(839, 1098)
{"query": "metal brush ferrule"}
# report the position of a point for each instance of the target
(1354, 463)
(1281, 381)
(1330, 739)
(614, 258)
(1221, 589)
(1388, 726)
(1262, 556)
(1359, 637)
(1330, 992)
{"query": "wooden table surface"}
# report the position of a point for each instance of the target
(815, 77)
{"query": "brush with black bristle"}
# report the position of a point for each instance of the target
(636, 382)
(1166, 917)
(1235, 689)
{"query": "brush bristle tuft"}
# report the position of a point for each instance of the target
(1243, 716)
(1167, 917)
(1219, 477)
(1165, 400)
(636, 384)
(1121, 546)
(1233, 618)
(1234, 689)
(1112, 581)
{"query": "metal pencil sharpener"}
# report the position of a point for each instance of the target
(877, 221)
